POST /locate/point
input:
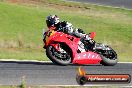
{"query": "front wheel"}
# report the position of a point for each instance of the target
(109, 57)
(58, 57)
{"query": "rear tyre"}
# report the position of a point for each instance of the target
(55, 56)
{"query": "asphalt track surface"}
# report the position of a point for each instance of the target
(46, 73)
(115, 3)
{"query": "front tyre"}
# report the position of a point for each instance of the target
(57, 57)
(109, 58)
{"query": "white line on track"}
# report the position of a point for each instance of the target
(24, 60)
(43, 61)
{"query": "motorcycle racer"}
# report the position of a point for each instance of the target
(53, 22)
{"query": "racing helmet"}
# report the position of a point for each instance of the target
(52, 20)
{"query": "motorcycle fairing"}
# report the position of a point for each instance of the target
(64, 38)
(92, 35)
(87, 58)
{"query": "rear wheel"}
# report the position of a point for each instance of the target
(61, 57)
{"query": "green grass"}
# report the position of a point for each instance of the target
(7, 87)
(21, 27)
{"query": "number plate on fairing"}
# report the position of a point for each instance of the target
(87, 55)
(87, 58)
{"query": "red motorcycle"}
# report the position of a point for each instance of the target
(63, 49)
